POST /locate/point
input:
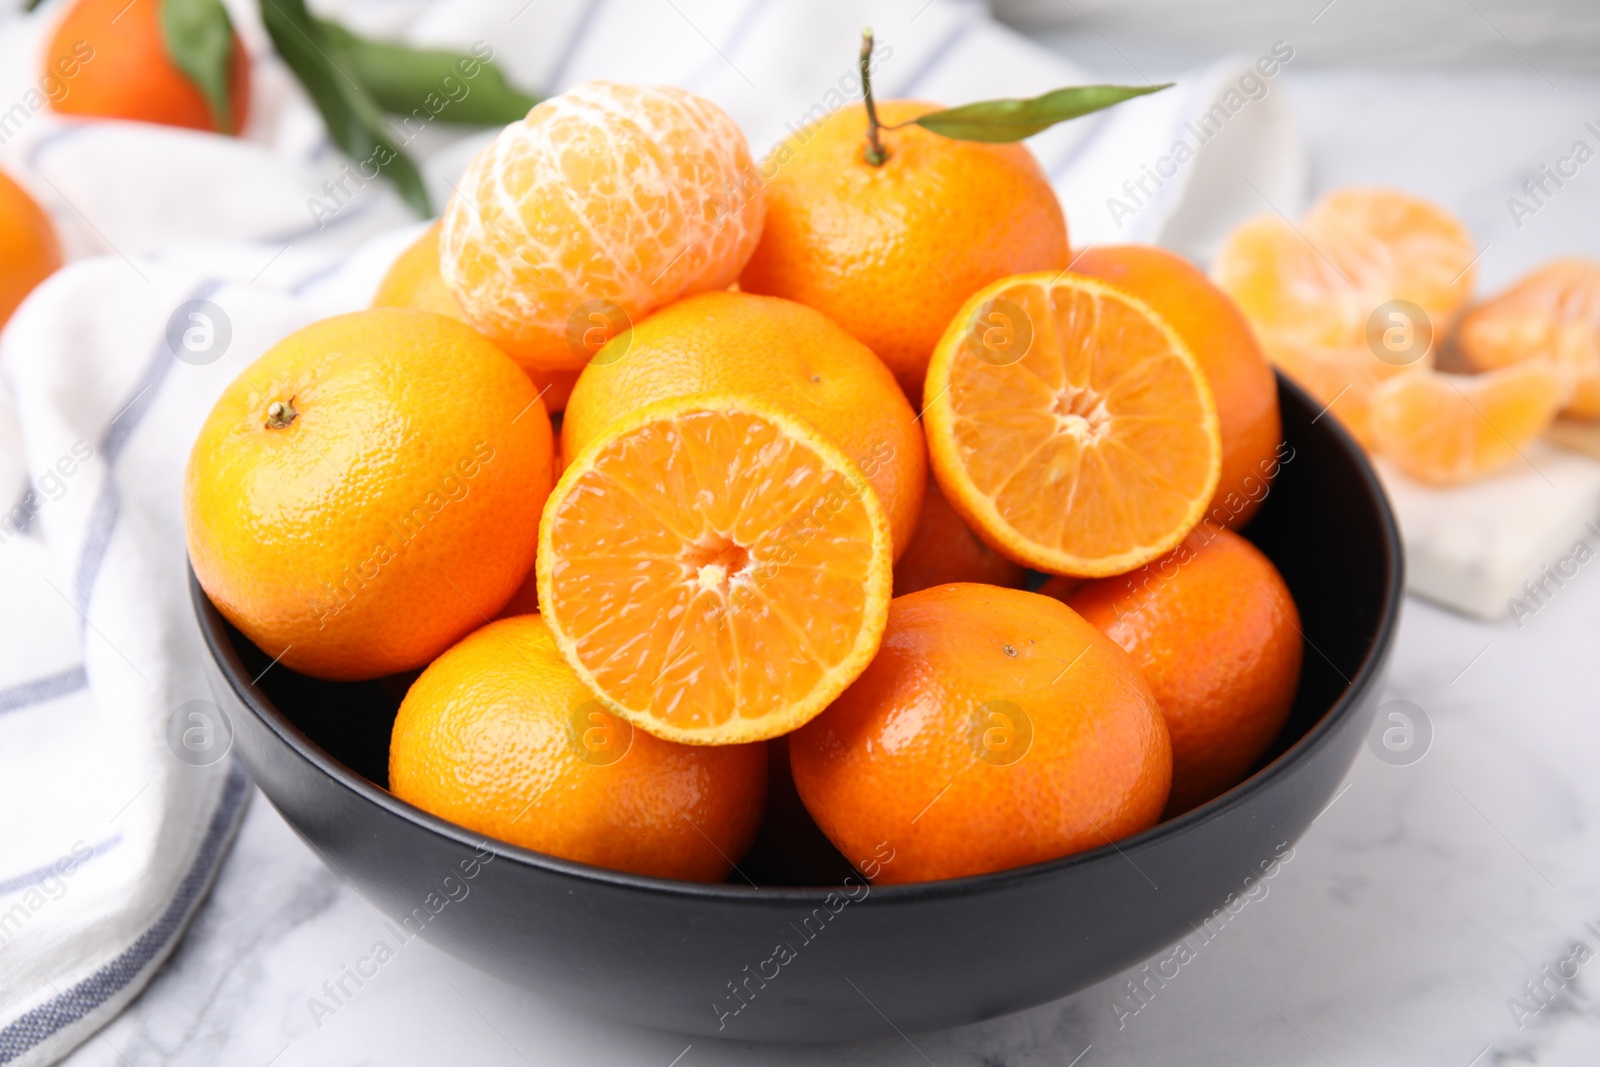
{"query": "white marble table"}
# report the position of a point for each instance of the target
(1420, 902)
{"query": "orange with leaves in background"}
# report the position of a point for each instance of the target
(29, 251)
(120, 68)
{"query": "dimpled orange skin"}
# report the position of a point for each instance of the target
(397, 509)
(784, 353)
(606, 199)
(892, 252)
(413, 281)
(123, 71)
(895, 759)
(1216, 331)
(1217, 634)
(944, 550)
(29, 250)
(499, 736)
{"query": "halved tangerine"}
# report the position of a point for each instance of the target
(1070, 426)
(715, 570)
(1446, 429)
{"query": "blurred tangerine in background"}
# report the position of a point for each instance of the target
(1551, 313)
(1361, 266)
(123, 69)
(29, 249)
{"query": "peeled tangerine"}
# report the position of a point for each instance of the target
(603, 204)
(1367, 271)
(1553, 313)
(1446, 429)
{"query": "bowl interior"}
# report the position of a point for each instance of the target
(1324, 523)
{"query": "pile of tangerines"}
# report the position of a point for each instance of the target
(677, 487)
(834, 486)
(822, 420)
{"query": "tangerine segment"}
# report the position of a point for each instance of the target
(1342, 379)
(603, 204)
(1400, 246)
(716, 571)
(1070, 426)
(1446, 429)
(1356, 249)
(1553, 312)
(1368, 273)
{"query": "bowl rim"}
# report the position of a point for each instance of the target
(226, 659)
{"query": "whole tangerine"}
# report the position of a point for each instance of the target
(28, 246)
(498, 735)
(891, 252)
(1215, 630)
(111, 56)
(944, 549)
(368, 491)
(995, 728)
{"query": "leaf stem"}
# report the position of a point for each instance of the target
(876, 154)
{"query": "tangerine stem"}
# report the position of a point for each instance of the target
(280, 413)
(876, 155)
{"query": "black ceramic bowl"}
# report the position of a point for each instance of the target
(818, 964)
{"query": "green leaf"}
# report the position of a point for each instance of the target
(447, 86)
(198, 37)
(1012, 120)
(355, 120)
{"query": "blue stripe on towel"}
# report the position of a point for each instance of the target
(50, 687)
(82, 1000)
(34, 877)
(108, 505)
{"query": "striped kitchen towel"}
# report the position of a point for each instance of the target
(191, 254)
